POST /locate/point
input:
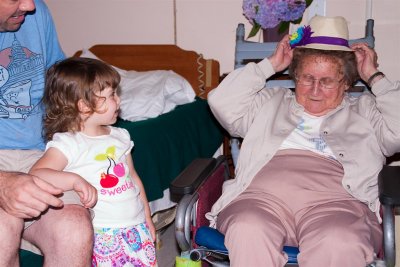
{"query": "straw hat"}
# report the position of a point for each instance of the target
(325, 33)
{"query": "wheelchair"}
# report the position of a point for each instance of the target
(200, 184)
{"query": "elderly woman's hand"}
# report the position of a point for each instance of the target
(367, 60)
(282, 56)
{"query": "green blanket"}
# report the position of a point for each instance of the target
(29, 259)
(165, 145)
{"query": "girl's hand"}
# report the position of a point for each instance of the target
(86, 192)
(282, 56)
(152, 228)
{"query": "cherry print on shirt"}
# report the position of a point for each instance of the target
(109, 180)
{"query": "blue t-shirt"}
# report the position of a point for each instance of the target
(25, 56)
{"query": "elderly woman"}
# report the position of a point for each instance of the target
(308, 166)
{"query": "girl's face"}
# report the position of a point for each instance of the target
(319, 85)
(106, 109)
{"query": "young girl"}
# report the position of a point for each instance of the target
(85, 153)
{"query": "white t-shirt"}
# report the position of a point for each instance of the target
(101, 160)
(306, 136)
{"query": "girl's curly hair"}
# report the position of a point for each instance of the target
(346, 61)
(68, 82)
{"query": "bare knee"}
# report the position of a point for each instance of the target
(11, 229)
(73, 228)
(64, 236)
(10, 236)
(66, 230)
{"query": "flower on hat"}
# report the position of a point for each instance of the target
(270, 13)
(327, 33)
(301, 36)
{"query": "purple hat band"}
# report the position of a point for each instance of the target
(303, 36)
(328, 41)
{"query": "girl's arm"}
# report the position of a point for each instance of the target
(50, 169)
(143, 196)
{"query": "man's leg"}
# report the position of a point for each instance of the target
(64, 236)
(10, 236)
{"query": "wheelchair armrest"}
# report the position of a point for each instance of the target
(389, 185)
(191, 177)
(187, 187)
(389, 196)
(182, 190)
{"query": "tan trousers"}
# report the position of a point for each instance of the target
(297, 199)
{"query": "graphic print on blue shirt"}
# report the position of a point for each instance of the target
(19, 69)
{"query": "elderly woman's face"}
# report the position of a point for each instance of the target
(319, 85)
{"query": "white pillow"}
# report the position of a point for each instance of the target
(148, 94)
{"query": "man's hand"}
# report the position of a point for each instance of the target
(26, 196)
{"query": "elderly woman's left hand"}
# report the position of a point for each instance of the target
(282, 56)
(367, 60)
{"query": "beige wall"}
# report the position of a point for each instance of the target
(386, 30)
(206, 26)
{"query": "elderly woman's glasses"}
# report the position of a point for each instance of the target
(326, 83)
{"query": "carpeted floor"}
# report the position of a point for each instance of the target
(168, 249)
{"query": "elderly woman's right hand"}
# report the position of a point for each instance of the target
(26, 196)
(282, 56)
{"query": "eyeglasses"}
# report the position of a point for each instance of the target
(326, 83)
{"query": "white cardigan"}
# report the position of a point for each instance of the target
(360, 131)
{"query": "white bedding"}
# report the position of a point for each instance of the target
(147, 94)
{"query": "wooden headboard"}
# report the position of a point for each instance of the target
(202, 74)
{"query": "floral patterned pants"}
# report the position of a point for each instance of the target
(132, 246)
